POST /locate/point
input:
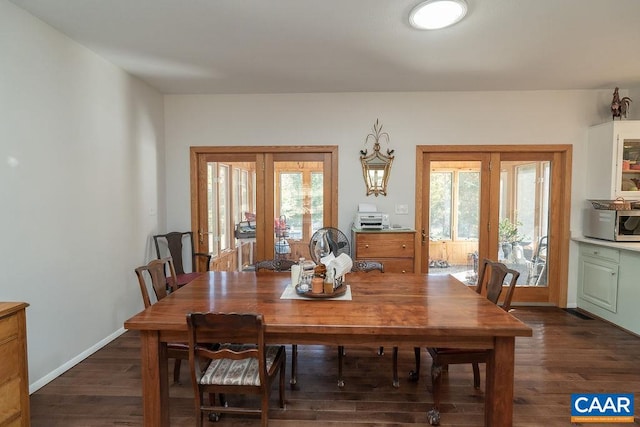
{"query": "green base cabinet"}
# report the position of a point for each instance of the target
(609, 284)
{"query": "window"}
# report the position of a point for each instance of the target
(459, 188)
(525, 197)
(440, 205)
(468, 212)
(291, 202)
(317, 200)
(212, 211)
(223, 207)
(300, 186)
(227, 201)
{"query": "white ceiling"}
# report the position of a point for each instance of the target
(285, 46)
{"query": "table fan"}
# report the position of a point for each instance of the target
(327, 240)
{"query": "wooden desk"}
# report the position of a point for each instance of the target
(386, 309)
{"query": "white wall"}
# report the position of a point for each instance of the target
(344, 119)
(80, 144)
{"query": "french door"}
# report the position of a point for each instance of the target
(251, 203)
(505, 203)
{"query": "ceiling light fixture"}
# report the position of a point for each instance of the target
(436, 14)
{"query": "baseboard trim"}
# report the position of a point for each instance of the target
(602, 319)
(38, 384)
(578, 313)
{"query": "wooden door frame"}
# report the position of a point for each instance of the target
(559, 216)
(264, 156)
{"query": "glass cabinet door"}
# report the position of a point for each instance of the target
(630, 165)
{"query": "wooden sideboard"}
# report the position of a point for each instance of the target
(394, 248)
(14, 377)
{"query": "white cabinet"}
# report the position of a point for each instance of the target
(608, 285)
(613, 160)
(598, 276)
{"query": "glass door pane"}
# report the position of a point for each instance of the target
(298, 206)
(454, 219)
(524, 219)
(630, 180)
(231, 214)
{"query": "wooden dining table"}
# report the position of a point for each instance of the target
(410, 310)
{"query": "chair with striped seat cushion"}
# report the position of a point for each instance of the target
(238, 372)
(247, 368)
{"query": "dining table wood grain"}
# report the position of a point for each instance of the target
(411, 310)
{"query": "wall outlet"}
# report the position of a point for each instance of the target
(402, 209)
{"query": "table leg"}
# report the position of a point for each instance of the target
(498, 400)
(294, 365)
(155, 380)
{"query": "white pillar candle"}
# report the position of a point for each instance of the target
(295, 275)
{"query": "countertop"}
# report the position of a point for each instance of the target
(625, 246)
(384, 230)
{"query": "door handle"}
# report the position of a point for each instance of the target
(201, 235)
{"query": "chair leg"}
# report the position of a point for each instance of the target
(198, 403)
(264, 412)
(294, 365)
(476, 376)
(282, 380)
(176, 371)
(222, 398)
(433, 416)
(396, 381)
(414, 376)
(340, 357)
(215, 416)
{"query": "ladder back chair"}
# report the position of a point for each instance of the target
(493, 277)
(179, 246)
(162, 285)
(246, 365)
(274, 265)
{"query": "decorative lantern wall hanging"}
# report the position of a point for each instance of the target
(376, 167)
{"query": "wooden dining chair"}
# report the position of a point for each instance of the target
(360, 266)
(244, 366)
(492, 278)
(162, 284)
(179, 246)
(274, 265)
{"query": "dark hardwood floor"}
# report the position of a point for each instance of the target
(567, 354)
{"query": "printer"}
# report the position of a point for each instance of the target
(368, 218)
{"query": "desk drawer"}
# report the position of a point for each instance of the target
(8, 328)
(384, 245)
(397, 265)
(10, 357)
(10, 398)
